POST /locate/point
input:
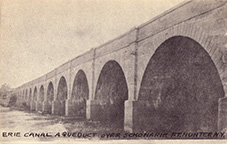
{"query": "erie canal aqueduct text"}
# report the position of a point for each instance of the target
(169, 74)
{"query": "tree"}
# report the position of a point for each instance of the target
(4, 90)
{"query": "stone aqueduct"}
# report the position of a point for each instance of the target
(169, 74)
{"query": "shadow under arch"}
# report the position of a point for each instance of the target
(112, 92)
(30, 94)
(62, 95)
(50, 98)
(30, 97)
(41, 93)
(183, 86)
(23, 95)
(26, 95)
(80, 93)
(35, 94)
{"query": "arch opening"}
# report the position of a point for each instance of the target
(26, 95)
(113, 91)
(41, 94)
(80, 93)
(30, 95)
(35, 94)
(62, 94)
(23, 95)
(50, 92)
(50, 96)
(183, 86)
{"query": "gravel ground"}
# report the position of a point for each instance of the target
(25, 126)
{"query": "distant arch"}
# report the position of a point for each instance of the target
(62, 89)
(50, 97)
(35, 94)
(26, 95)
(41, 93)
(50, 92)
(62, 93)
(23, 94)
(30, 94)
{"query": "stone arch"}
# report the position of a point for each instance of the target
(23, 94)
(41, 93)
(26, 95)
(62, 89)
(30, 94)
(182, 85)
(80, 93)
(50, 98)
(50, 92)
(112, 91)
(207, 41)
(35, 93)
(20, 95)
(62, 92)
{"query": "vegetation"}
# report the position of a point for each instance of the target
(6, 96)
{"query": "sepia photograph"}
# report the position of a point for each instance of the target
(113, 71)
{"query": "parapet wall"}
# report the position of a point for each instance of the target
(207, 15)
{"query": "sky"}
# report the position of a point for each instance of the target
(36, 36)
